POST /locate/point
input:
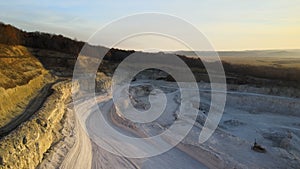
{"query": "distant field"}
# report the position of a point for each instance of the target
(273, 58)
(276, 61)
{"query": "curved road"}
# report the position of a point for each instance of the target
(174, 158)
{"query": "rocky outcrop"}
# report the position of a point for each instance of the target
(25, 147)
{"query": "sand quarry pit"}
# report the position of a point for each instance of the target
(273, 121)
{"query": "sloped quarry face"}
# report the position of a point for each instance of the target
(25, 147)
(153, 74)
(140, 92)
(139, 96)
(22, 77)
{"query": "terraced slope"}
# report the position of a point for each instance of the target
(21, 78)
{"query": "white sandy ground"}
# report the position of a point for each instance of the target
(104, 159)
(273, 121)
(173, 158)
(69, 152)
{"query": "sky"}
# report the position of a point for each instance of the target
(227, 24)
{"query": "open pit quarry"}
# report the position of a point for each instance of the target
(41, 128)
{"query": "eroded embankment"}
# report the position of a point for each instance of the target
(33, 106)
(22, 77)
(25, 147)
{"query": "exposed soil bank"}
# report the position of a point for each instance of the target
(23, 148)
(33, 106)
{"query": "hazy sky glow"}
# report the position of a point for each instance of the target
(228, 24)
